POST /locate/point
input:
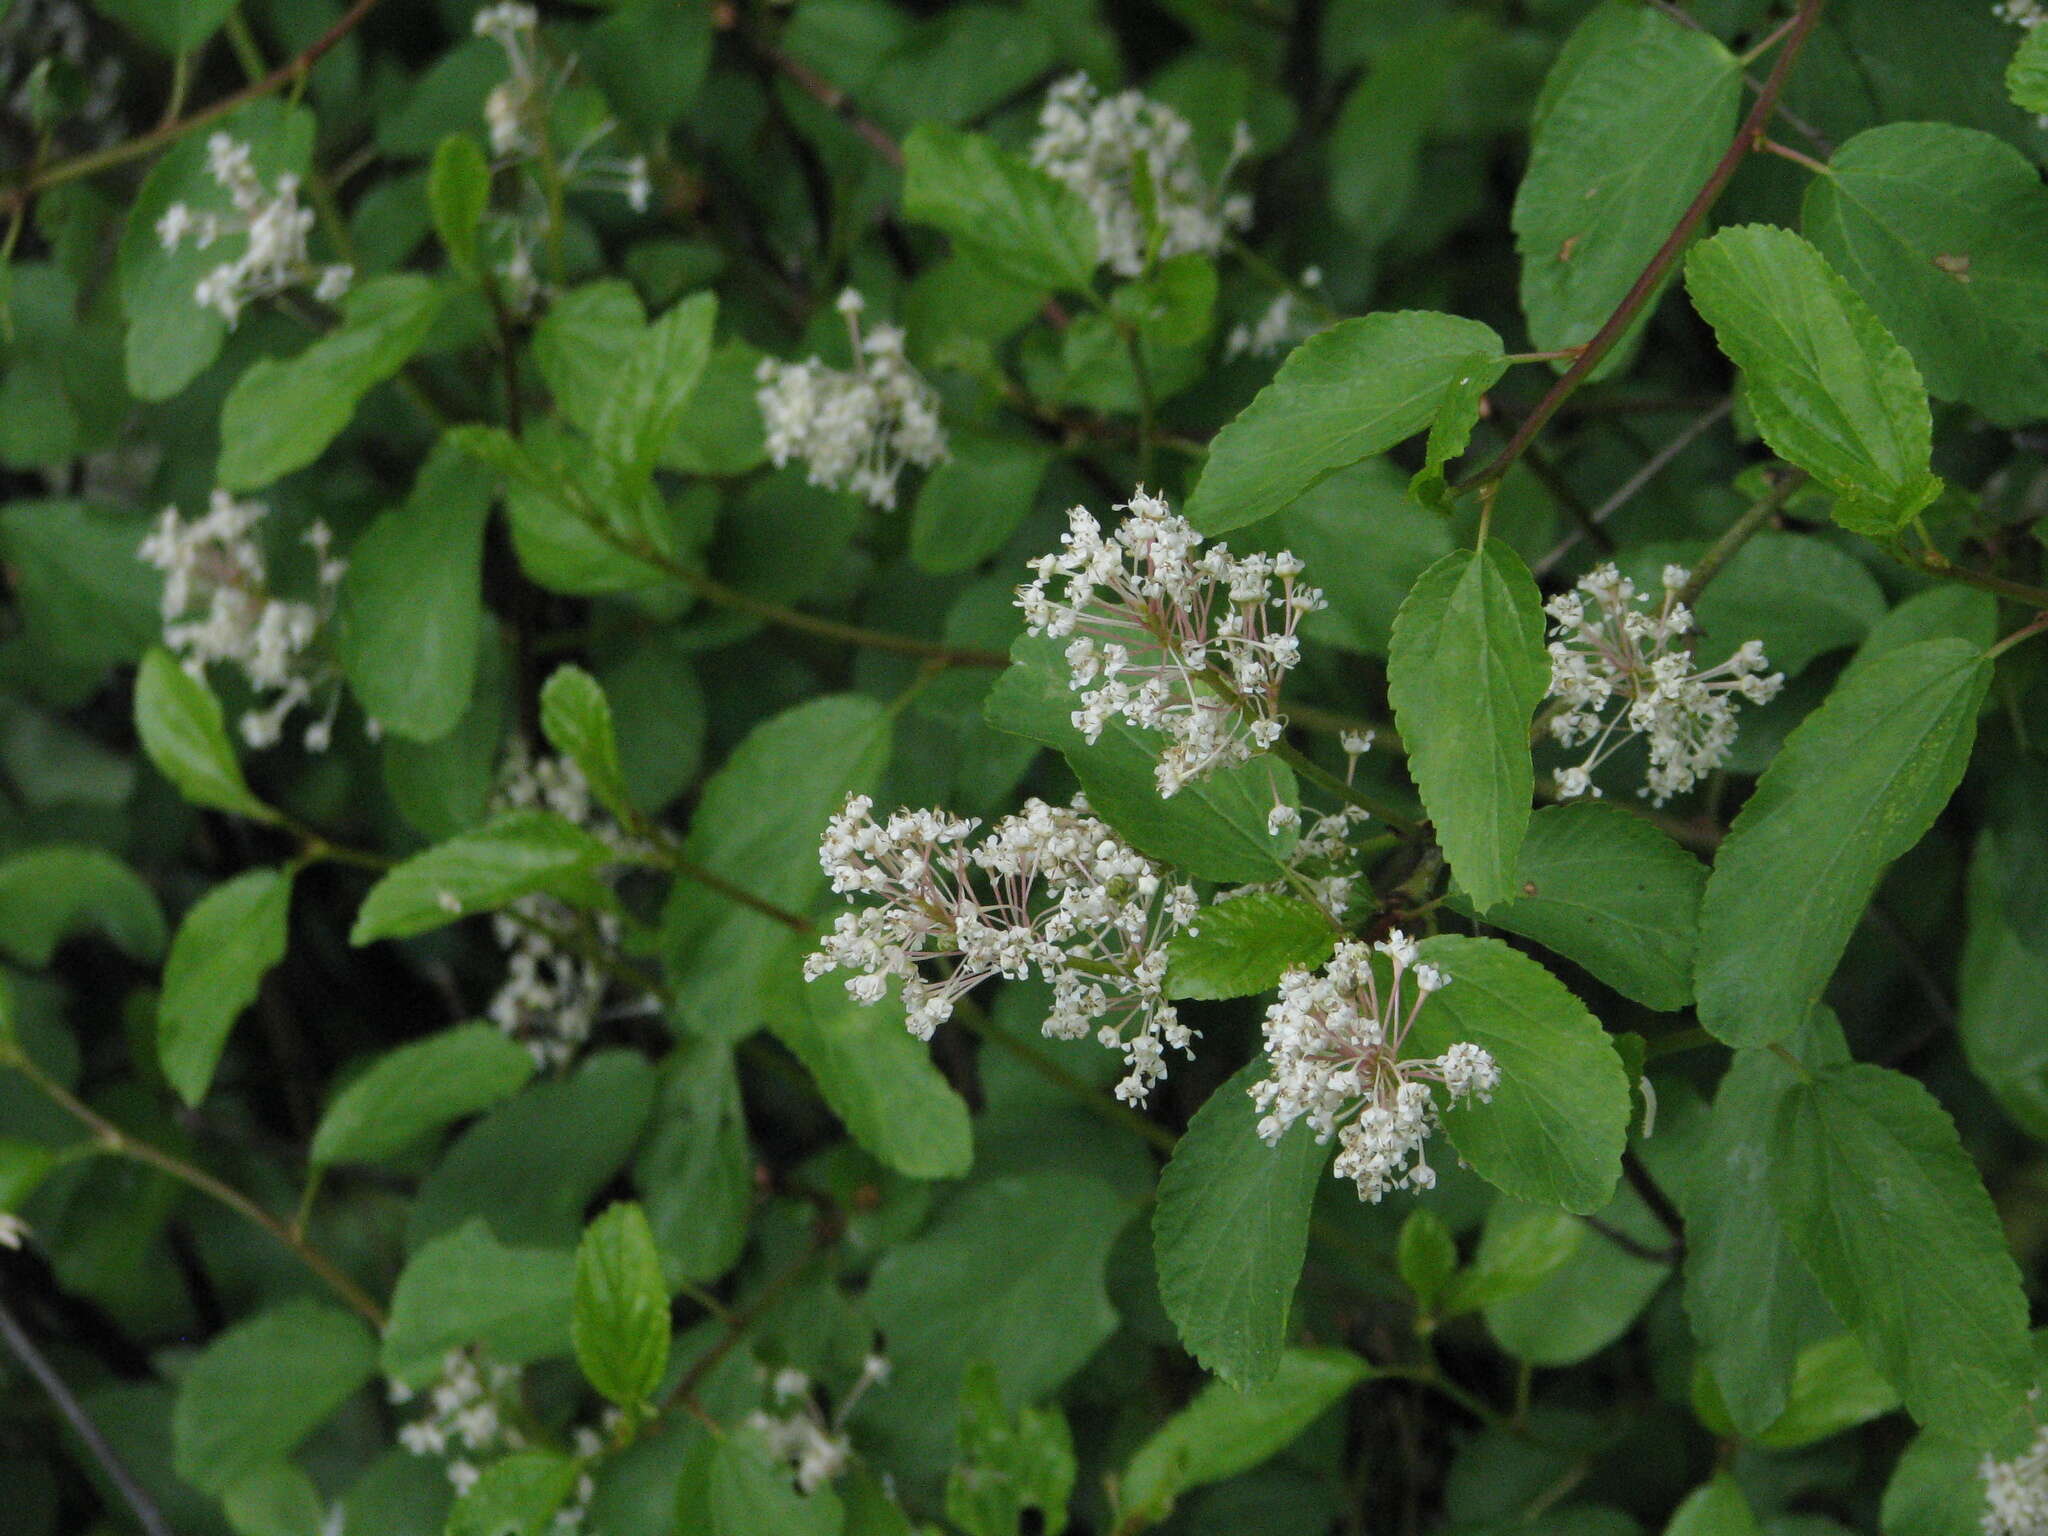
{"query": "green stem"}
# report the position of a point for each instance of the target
(1739, 533)
(1317, 774)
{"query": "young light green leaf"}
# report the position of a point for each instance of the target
(411, 609)
(1634, 115)
(2026, 77)
(1008, 1463)
(576, 718)
(878, 1079)
(1343, 395)
(458, 191)
(1944, 232)
(1829, 387)
(50, 893)
(1427, 1256)
(419, 1088)
(644, 409)
(1466, 671)
(179, 722)
(1855, 786)
(1718, 1508)
(1554, 1131)
(281, 415)
(1456, 415)
(515, 855)
(1225, 1431)
(260, 1388)
(1243, 945)
(1516, 1257)
(1876, 1193)
(1002, 213)
(1834, 1387)
(1608, 890)
(619, 1323)
(227, 943)
(1230, 1231)
(515, 1496)
(467, 1288)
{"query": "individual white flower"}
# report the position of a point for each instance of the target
(1097, 145)
(800, 1435)
(854, 429)
(13, 1230)
(1170, 636)
(2016, 1491)
(269, 220)
(470, 1414)
(1050, 890)
(1333, 1042)
(1619, 668)
(1323, 865)
(1285, 322)
(218, 607)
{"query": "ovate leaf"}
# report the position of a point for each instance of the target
(695, 1172)
(227, 943)
(179, 722)
(1718, 1508)
(969, 505)
(2026, 77)
(577, 720)
(1855, 786)
(458, 191)
(51, 893)
(643, 410)
(518, 854)
(1243, 945)
(468, 1288)
(619, 1323)
(1001, 212)
(420, 1088)
(515, 1496)
(1466, 671)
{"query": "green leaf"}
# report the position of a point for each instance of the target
(419, 1088)
(1367, 541)
(23, 1167)
(1855, 786)
(2026, 77)
(227, 943)
(971, 504)
(1718, 1508)
(878, 1079)
(51, 893)
(644, 408)
(1214, 829)
(619, 1323)
(1456, 415)
(276, 1500)
(1609, 891)
(1244, 945)
(733, 1487)
(576, 527)
(411, 609)
(1224, 1432)
(1633, 117)
(1516, 1257)
(1554, 1132)
(468, 1288)
(1834, 1387)
(281, 415)
(1426, 1255)
(1008, 1463)
(515, 1496)
(179, 722)
(757, 824)
(1343, 395)
(2002, 999)
(1944, 232)
(1881, 1201)
(1002, 213)
(695, 1172)
(1466, 670)
(178, 27)
(260, 1388)
(82, 590)
(458, 192)
(577, 721)
(1577, 1308)
(1231, 1229)
(517, 854)
(171, 338)
(1828, 386)
(583, 344)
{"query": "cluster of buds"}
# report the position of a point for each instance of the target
(272, 226)
(1132, 161)
(1286, 321)
(800, 1435)
(854, 429)
(1619, 668)
(1170, 637)
(218, 607)
(1050, 890)
(1333, 1042)
(2016, 1492)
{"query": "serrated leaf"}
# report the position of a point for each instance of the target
(576, 718)
(1829, 387)
(1001, 212)
(518, 854)
(1245, 944)
(420, 1088)
(1465, 672)
(1008, 1463)
(1343, 395)
(1855, 786)
(1554, 1131)
(227, 943)
(179, 722)
(467, 1288)
(619, 1322)
(1231, 1229)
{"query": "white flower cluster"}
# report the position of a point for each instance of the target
(217, 606)
(1619, 669)
(275, 227)
(800, 1435)
(1285, 322)
(516, 114)
(1333, 1041)
(853, 428)
(1108, 148)
(2016, 1492)
(550, 998)
(1322, 865)
(2021, 13)
(1066, 897)
(1174, 638)
(471, 1419)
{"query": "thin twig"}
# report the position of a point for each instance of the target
(1739, 533)
(1653, 466)
(146, 1513)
